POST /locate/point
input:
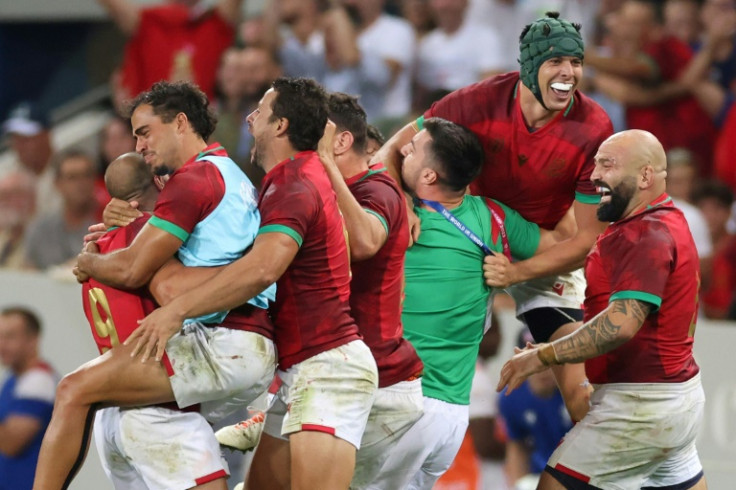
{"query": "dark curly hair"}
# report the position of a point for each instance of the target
(303, 102)
(170, 98)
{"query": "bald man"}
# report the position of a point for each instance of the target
(636, 338)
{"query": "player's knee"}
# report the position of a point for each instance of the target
(71, 390)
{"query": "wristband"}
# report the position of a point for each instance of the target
(546, 353)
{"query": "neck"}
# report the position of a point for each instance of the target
(25, 365)
(191, 147)
(643, 200)
(535, 115)
(277, 154)
(351, 164)
(76, 214)
(447, 199)
(452, 24)
(368, 17)
(304, 28)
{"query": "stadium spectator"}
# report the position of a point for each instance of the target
(56, 238)
(640, 317)
(26, 397)
(300, 244)
(17, 206)
(535, 420)
(458, 52)
(682, 176)
(682, 20)
(715, 200)
(207, 196)
(417, 13)
(530, 125)
(387, 49)
(30, 139)
(642, 73)
(245, 74)
(176, 40)
(115, 139)
(724, 166)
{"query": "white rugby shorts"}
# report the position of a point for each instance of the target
(563, 291)
(426, 450)
(395, 409)
(635, 435)
(156, 448)
(330, 392)
(220, 368)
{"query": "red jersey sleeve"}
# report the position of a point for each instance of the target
(645, 245)
(291, 210)
(191, 194)
(381, 199)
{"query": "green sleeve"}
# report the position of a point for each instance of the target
(282, 229)
(587, 198)
(652, 299)
(523, 235)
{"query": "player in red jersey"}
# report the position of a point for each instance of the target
(539, 135)
(641, 307)
(206, 215)
(329, 375)
(375, 217)
(133, 443)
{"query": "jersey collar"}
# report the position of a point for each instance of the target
(372, 170)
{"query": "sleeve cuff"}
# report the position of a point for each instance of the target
(282, 229)
(169, 227)
(380, 218)
(638, 295)
(587, 198)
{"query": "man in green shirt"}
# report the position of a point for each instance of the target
(446, 296)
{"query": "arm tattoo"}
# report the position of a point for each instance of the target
(601, 334)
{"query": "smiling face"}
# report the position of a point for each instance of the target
(156, 140)
(558, 79)
(614, 181)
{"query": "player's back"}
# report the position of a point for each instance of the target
(377, 286)
(535, 172)
(113, 313)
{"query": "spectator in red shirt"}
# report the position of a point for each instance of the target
(177, 40)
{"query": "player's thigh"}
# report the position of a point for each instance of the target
(320, 460)
(394, 411)
(270, 468)
(116, 378)
(331, 392)
(171, 448)
(216, 364)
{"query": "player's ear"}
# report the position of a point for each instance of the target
(282, 126)
(646, 176)
(428, 176)
(344, 141)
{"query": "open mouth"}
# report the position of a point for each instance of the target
(605, 192)
(561, 89)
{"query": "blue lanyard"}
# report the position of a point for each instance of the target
(459, 225)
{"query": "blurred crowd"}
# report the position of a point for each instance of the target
(666, 66)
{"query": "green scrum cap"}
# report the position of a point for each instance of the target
(543, 39)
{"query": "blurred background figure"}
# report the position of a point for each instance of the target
(115, 139)
(176, 40)
(30, 140)
(243, 77)
(17, 206)
(458, 52)
(682, 177)
(715, 200)
(56, 238)
(536, 420)
(26, 397)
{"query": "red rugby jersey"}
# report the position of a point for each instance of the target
(377, 288)
(311, 313)
(651, 257)
(112, 313)
(169, 35)
(537, 173)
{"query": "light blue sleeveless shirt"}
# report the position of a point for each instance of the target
(227, 232)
